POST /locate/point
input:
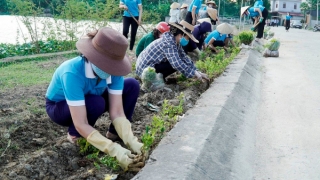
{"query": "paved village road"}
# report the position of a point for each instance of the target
(288, 127)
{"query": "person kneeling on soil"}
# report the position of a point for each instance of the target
(161, 28)
(230, 37)
(85, 87)
(218, 37)
(167, 56)
(199, 33)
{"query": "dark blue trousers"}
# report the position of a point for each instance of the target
(96, 105)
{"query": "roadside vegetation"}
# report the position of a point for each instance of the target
(23, 83)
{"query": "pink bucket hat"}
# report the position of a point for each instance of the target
(107, 50)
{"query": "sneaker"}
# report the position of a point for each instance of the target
(113, 137)
(72, 139)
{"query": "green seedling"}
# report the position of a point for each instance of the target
(86, 148)
(93, 153)
(147, 139)
(246, 37)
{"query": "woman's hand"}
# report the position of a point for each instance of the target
(123, 7)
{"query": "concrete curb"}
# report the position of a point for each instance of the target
(215, 139)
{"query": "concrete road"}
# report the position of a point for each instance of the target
(288, 127)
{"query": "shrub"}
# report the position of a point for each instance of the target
(273, 45)
(246, 37)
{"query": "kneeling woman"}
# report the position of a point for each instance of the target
(85, 87)
(166, 54)
(219, 37)
(161, 28)
(199, 33)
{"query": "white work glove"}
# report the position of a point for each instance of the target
(197, 51)
(199, 75)
(124, 130)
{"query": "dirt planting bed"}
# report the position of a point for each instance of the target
(33, 147)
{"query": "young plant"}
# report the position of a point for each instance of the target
(93, 153)
(246, 37)
(147, 139)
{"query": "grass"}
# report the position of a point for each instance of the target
(29, 72)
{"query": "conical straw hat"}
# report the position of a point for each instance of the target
(224, 28)
(175, 5)
(234, 30)
(243, 9)
(184, 5)
(213, 13)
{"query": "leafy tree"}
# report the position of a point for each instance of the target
(312, 4)
(3, 7)
(304, 6)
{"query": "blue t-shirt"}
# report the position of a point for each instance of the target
(258, 3)
(74, 79)
(288, 17)
(255, 13)
(132, 7)
(216, 36)
(196, 3)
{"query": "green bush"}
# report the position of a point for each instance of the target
(273, 45)
(49, 46)
(246, 37)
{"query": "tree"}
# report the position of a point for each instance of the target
(312, 4)
(304, 6)
(3, 7)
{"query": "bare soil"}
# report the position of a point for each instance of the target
(33, 147)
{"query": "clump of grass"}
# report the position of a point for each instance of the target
(246, 37)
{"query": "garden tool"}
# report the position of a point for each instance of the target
(136, 21)
(152, 107)
(123, 155)
(261, 19)
(254, 27)
(123, 128)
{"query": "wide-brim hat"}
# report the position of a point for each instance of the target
(243, 9)
(186, 28)
(175, 5)
(184, 5)
(211, 2)
(224, 28)
(106, 50)
(213, 13)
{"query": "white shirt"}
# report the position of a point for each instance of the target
(174, 15)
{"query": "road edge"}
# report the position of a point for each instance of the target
(215, 139)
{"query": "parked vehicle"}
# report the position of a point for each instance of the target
(296, 24)
(316, 28)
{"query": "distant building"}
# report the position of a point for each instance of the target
(280, 8)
